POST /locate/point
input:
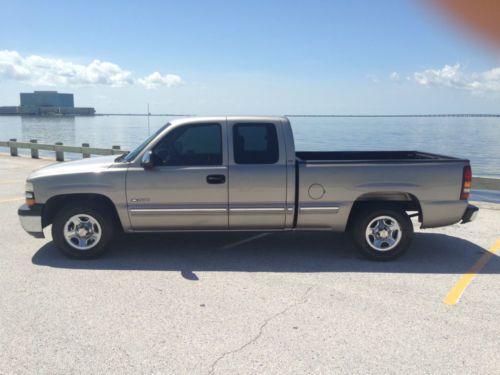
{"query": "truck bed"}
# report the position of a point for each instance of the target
(328, 181)
(316, 157)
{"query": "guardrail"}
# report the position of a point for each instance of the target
(58, 148)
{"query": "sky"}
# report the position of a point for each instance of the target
(247, 57)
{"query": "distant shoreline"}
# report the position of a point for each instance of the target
(286, 115)
(292, 115)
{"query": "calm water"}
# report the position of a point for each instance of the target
(477, 139)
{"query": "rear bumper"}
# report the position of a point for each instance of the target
(470, 214)
(31, 219)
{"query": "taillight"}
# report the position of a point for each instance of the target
(467, 183)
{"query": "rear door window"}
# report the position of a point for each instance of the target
(255, 143)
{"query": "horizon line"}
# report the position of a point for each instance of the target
(319, 115)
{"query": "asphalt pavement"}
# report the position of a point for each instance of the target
(246, 303)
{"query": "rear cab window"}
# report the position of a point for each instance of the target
(255, 143)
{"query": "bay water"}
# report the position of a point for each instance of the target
(474, 138)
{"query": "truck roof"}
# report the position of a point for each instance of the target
(229, 118)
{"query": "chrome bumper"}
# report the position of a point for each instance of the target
(31, 219)
(470, 214)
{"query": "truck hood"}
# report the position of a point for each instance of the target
(91, 165)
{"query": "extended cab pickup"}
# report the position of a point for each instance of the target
(243, 173)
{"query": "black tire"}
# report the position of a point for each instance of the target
(386, 250)
(105, 228)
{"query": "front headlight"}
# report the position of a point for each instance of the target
(28, 186)
(29, 193)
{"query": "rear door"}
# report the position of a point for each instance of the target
(257, 175)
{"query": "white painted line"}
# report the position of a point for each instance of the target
(250, 239)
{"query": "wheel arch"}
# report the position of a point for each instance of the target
(400, 200)
(57, 202)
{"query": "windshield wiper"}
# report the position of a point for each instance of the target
(122, 156)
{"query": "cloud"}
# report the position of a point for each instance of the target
(395, 76)
(155, 80)
(373, 78)
(45, 71)
(453, 76)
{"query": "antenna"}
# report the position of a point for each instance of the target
(149, 128)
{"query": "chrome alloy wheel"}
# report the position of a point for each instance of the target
(82, 232)
(383, 233)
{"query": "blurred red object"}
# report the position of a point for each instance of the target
(482, 16)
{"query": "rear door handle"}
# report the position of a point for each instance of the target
(216, 179)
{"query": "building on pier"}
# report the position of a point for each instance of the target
(48, 103)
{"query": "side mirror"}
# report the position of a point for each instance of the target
(147, 161)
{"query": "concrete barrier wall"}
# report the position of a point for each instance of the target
(58, 148)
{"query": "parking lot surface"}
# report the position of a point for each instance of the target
(295, 302)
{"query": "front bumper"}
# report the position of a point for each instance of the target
(31, 219)
(470, 214)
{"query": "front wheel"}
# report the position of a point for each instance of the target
(382, 234)
(82, 231)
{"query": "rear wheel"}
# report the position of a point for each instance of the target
(82, 231)
(382, 233)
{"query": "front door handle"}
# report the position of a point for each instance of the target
(216, 179)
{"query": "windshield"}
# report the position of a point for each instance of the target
(133, 154)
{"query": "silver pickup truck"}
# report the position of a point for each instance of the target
(243, 173)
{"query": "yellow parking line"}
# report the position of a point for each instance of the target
(457, 291)
(11, 200)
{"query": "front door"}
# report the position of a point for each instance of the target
(187, 187)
